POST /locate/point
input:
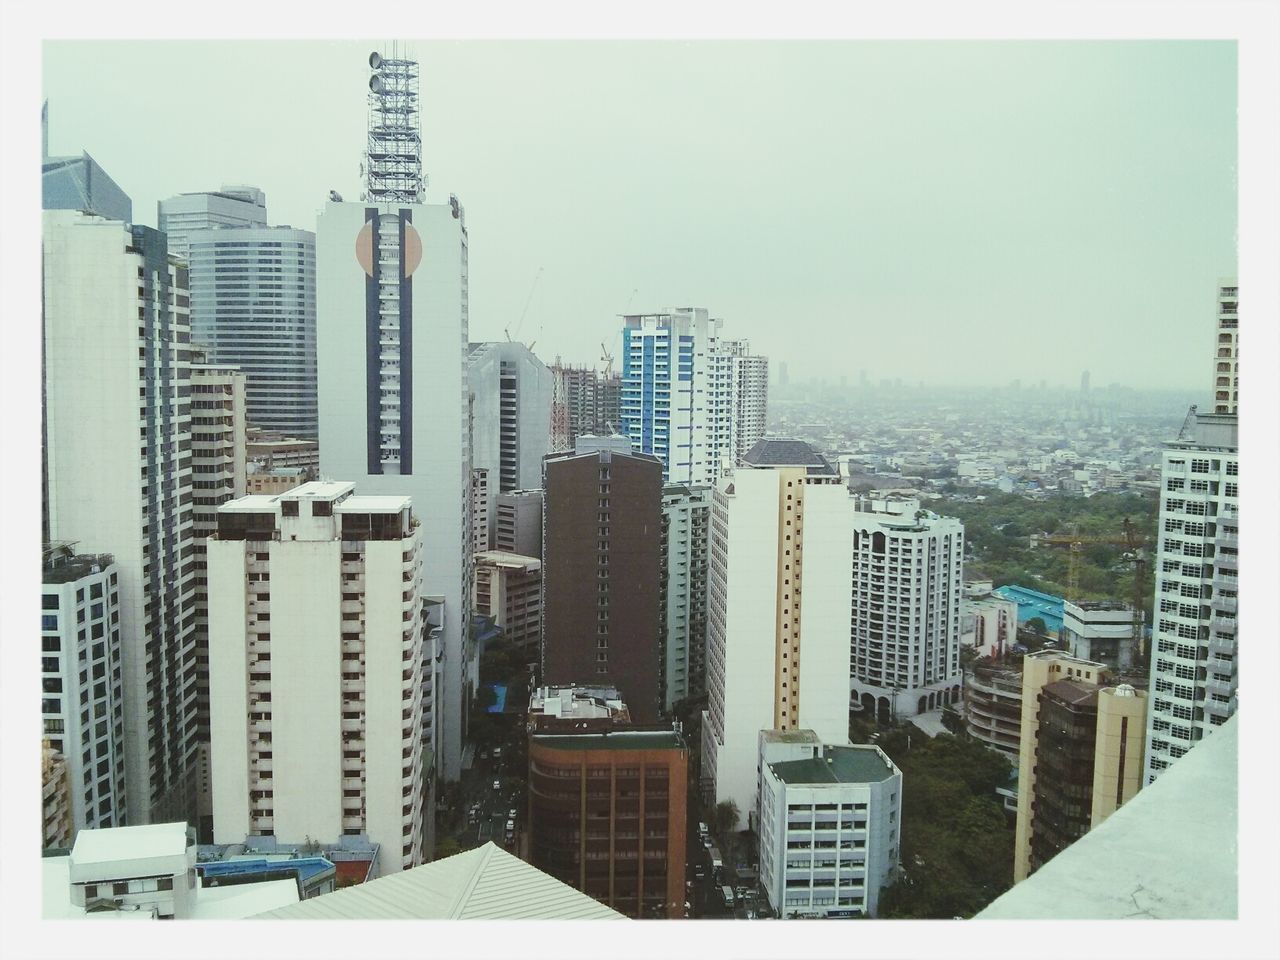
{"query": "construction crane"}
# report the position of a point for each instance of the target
(527, 300)
(607, 358)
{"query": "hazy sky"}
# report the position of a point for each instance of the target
(952, 211)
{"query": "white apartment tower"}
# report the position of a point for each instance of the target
(677, 391)
(82, 696)
(511, 413)
(320, 670)
(392, 347)
(749, 382)
(119, 475)
(686, 517)
(908, 581)
(1195, 657)
(779, 584)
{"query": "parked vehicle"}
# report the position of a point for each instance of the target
(727, 892)
(497, 784)
(716, 862)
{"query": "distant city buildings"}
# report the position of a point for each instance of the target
(117, 380)
(582, 401)
(180, 216)
(392, 338)
(830, 821)
(1226, 357)
(781, 527)
(602, 518)
(1079, 755)
(510, 414)
(749, 387)
(686, 515)
(907, 583)
(320, 669)
(82, 704)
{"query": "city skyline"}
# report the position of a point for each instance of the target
(1090, 202)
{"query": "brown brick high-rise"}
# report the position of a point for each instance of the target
(602, 528)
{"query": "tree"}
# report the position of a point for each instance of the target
(446, 847)
(1038, 626)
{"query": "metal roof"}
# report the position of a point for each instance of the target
(784, 452)
(482, 884)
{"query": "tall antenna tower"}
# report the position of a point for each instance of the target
(393, 157)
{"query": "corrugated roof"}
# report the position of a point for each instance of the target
(482, 884)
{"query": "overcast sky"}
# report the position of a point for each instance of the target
(956, 212)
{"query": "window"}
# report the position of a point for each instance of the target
(288, 508)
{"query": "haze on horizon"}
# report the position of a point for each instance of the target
(957, 212)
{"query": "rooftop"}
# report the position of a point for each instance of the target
(788, 736)
(612, 740)
(370, 504)
(501, 558)
(787, 452)
(325, 489)
(837, 765)
(1073, 692)
(482, 884)
(110, 844)
(67, 569)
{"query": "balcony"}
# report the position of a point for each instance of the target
(1223, 688)
(1225, 604)
(1225, 625)
(1222, 645)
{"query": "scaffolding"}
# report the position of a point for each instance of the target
(393, 155)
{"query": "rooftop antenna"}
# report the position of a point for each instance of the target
(393, 152)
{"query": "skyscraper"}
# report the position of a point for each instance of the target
(749, 385)
(677, 393)
(1195, 660)
(187, 213)
(118, 410)
(253, 305)
(583, 400)
(908, 574)
(320, 660)
(510, 414)
(686, 514)
(78, 183)
(602, 519)
(781, 528)
(392, 342)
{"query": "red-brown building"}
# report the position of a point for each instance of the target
(607, 816)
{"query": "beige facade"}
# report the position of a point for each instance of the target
(277, 480)
(56, 796)
(1117, 759)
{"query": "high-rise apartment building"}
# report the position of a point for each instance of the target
(392, 344)
(481, 499)
(1226, 350)
(119, 475)
(830, 820)
(518, 522)
(320, 671)
(908, 581)
(508, 588)
(188, 213)
(55, 793)
(253, 306)
(607, 815)
(511, 413)
(602, 519)
(1079, 755)
(780, 582)
(82, 701)
(749, 383)
(677, 393)
(686, 516)
(1194, 640)
(582, 401)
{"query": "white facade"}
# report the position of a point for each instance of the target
(994, 623)
(82, 695)
(180, 216)
(1226, 350)
(320, 671)
(677, 393)
(749, 381)
(1103, 631)
(392, 343)
(686, 513)
(118, 411)
(511, 413)
(776, 531)
(830, 820)
(908, 581)
(1194, 642)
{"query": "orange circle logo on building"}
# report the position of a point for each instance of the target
(412, 247)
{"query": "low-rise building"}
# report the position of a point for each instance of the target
(1105, 631)
(581, 709)
(272, 480)
(991, 624)
(993, 706)
(508, 588)
(830, 822)
(147, 872)
(607, 815)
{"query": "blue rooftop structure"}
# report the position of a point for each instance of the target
(315, 875)
(500, 698)
(1033, 603)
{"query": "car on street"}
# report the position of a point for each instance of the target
(497, 784)
(512, 813)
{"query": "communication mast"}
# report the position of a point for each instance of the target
(393, 156)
